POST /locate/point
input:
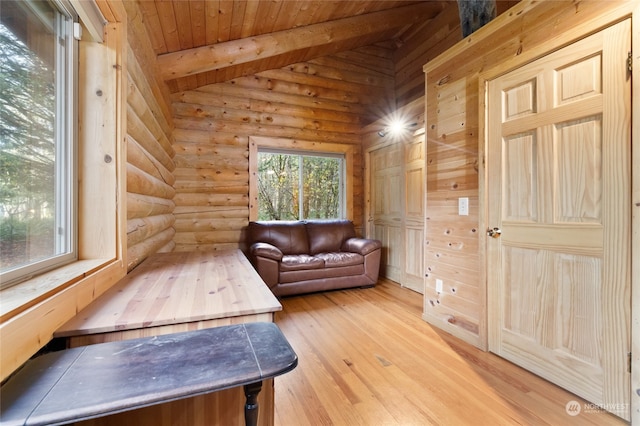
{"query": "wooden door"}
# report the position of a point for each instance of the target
(558, 175)
(413, 218)
(387, 195)
(397, 207)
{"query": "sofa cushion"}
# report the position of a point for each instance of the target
(300, 262)
(327, 236)
(289, 236)
(336, 260)
(346, 272)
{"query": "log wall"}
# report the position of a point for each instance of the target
(326, 100)
(149, 143)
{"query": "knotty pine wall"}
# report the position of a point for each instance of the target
(418, 48)
(451, 242)
(326, 100)
(150, 152)
(422, 45)
(454, 244)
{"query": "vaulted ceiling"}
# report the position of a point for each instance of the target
(211, 41)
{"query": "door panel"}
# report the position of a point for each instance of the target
(397, 191)
(395, 254)
(579, 181)
(387, 201)
(415, 194)
(558, 186)
(414, 259)
(414, 216)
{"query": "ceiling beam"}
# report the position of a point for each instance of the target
(221, 55)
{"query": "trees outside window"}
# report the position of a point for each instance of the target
(36, 137)
(296, 186)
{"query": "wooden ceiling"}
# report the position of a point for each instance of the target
(211, 41)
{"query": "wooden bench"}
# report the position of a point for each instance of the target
(97, 380)
(171, 293)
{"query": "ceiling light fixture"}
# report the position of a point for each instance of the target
(395, 128)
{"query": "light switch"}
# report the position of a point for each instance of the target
(463, 206)
(438, 286)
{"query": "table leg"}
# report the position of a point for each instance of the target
(251, 391)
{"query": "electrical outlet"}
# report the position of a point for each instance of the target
(463, 206)
(438, 286)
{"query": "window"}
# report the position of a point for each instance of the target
(37, 138)
(294, 186)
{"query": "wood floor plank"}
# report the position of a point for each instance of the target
(366, 357)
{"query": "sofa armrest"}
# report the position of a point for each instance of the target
(266, 250)
(371, 250)
(361, 246)
(266, 259)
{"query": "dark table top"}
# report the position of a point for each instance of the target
(97, 380)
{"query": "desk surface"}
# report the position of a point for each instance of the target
(97, 380)
(174, 288)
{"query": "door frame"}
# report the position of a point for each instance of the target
(257, 142)
(528, 56)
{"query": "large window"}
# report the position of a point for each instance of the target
(37, 148)
(295, 186)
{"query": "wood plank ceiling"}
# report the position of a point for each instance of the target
(211, 41)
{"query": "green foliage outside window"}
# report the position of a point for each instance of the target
(292, 187)
(27, 151)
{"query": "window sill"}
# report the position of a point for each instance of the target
(20, 297)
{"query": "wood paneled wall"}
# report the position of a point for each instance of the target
(326, 100)
(423, 44)
(454, 244)
(150, 152)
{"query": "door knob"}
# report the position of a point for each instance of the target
(494, 233)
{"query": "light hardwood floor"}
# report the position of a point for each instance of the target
(367, 358)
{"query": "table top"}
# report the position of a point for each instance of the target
(97, 380)
(174, 288)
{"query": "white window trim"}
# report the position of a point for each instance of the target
(91, 17)
(66, 118)
(67, 171)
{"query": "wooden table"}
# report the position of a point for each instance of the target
(97, 380)
(175, 292)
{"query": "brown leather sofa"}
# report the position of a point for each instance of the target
(295, 257)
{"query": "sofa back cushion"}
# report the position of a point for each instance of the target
(326, 236)
(289, 236)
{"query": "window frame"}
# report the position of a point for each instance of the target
(318, 154)
(33, 310)
(260, 143)
(65, 149)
